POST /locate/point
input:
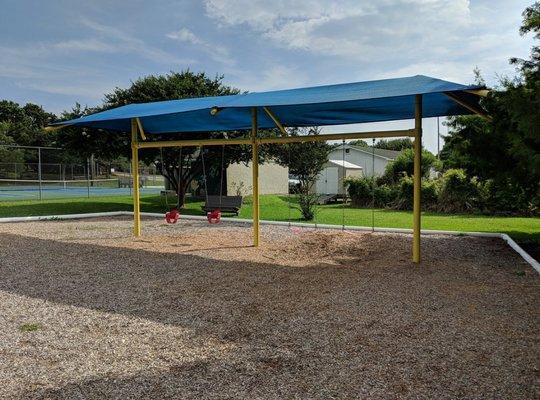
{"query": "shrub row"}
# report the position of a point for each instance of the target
(453, 192)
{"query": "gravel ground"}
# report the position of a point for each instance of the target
(192, 311)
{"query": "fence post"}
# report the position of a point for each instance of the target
(39, 174)
(88, 176)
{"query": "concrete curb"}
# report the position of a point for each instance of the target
(531, 261)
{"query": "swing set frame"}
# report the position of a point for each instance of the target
(357, 102)
(254, 141)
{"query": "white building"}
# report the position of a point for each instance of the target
(330, 180)
(350, 160)
(273, 179)
(342, 162)
(373, 161)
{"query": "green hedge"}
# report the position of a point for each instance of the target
(453, 192)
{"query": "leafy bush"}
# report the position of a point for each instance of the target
(506, 196)
(364, 190)
(385, 196)
(403, 165)
(458, 193)
(405, 195)
(360, 190)
(307, 204)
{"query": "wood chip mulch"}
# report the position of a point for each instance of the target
(192, 311)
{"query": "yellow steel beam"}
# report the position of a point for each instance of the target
(141, 130)
(276, 121)
(135, 173)
(337, 136)
(255, 175)
(55, 128)
(479, 92)
(277, 140)
(417, 176)
(194, 142)
(471, 107)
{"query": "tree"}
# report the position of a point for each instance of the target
(24, 125)
(403, 165)
(505, 150)
(179, 167)
(359, 143)
(8, 155)
(305, 161)
(473, 145)
(522, 100)
(394, 144)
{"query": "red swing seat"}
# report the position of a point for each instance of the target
(214, 216)
(172, 216)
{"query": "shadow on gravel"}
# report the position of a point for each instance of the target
(319, 332)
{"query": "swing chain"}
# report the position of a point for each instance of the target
(373, 185)
(288, 186)
(179, 180)
(344, 195)
(204, 175)
(221, 179)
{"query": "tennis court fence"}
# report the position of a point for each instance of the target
(35, 189)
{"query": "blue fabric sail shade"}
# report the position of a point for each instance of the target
(349, 103)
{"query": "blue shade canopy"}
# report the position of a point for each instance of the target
(348, 103)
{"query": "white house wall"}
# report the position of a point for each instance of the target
(273, 179)
(364, 160)
(335, 186)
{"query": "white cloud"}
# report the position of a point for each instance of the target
(347, 28)
(217, 52)
(48, 66)
(124, 42)
(84, 45)
(89, 90)
(273, 77)
(448, 37)
(184, 35)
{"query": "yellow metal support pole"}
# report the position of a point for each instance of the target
(276, 121)
(255, 176)
(141, 130)
(470, 107)
(135, 172)
(417, 177)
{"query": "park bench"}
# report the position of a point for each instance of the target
(327, 199)
(126, 181)
(229, 204)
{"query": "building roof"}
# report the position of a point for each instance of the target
(388, 154)
(345, 164)
(348, 103)
(391, 154)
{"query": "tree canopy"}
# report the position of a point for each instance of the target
(305, 160)
(23, 125)
(179, 167)
(394, 144)
(506, 149)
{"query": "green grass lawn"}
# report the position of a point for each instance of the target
(276, 208)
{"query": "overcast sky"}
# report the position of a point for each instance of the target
(59, 52)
